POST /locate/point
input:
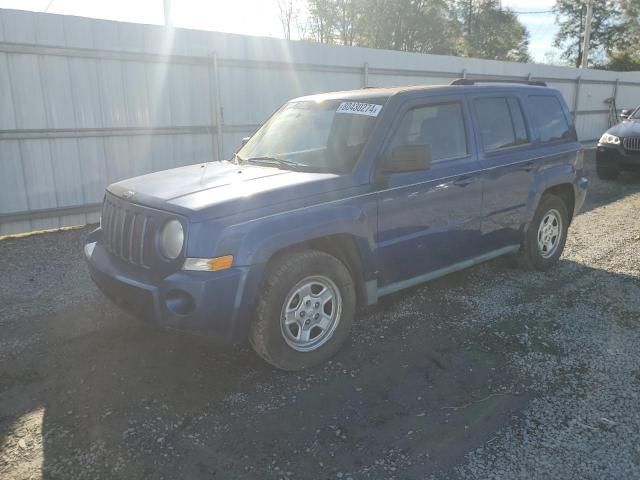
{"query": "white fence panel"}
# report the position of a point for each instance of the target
(628, 96)
(7, 112)
(85, 102)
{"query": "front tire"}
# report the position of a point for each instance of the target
(304, 311)
(546, 236)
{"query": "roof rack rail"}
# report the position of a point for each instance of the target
(468, 81)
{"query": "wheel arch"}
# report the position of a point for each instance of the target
(558, 180)
(343, 246)
(566, 192)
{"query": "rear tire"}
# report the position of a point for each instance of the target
(607, 172)
(304, 311)
(546, 236)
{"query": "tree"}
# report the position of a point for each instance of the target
(287, 14)
(492, 32)
(322, 20)
(346, 20)
(606, 29)
(425, 26)
(624, 61)
(479, 28)
(631, 23)
(625, 56)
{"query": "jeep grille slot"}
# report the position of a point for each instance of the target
(128, 233)
(631, 144)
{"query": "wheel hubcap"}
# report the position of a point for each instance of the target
(311, 313)
(549, 233)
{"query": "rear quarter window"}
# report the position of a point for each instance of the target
(549, 118)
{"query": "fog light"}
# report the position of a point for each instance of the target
(180, 302)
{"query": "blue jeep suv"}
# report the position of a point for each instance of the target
(336, 200)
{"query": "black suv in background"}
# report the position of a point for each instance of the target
(619, 147)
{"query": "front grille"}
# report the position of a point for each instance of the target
(128, 232)
(631, 144)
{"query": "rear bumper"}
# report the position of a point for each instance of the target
(616, 156)
(217, 304)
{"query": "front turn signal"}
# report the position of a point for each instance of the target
(208, 264)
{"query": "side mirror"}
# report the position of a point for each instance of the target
(245, 140)
(626, 113)
(408, 158)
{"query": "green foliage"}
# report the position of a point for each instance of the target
(630, 10)
(625, 61)
(493, 32)
(615, 33)
(606, 29)
(477, 28)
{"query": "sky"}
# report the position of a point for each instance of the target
(232, 16)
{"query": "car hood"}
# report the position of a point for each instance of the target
(626, 128)
(222, 188)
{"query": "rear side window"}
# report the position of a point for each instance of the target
(549, 118)
(441, 126)
(501, 122)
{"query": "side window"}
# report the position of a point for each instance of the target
(501, 122)
(549, 118)
(441, 126)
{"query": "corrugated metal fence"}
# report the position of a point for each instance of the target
(86, 102)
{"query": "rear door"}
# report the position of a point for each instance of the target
(506, 153)
(429, 219)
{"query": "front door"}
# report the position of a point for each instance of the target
(430, 219)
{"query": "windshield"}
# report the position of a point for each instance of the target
(316, 136)
(635, 114)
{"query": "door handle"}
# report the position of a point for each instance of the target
(463, 181)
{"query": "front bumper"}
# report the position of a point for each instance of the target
(217, 304)
(617, 156)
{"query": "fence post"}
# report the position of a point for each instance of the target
(464, 73)
(615, 91)
(215, 104)
(576, 97)
(365, 75)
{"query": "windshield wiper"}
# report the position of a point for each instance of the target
(276, 162)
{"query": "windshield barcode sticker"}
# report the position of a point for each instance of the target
(369, 109)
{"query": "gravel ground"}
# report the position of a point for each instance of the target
(488, 373)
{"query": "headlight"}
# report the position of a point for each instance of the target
(171, 239)
(608, 138)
